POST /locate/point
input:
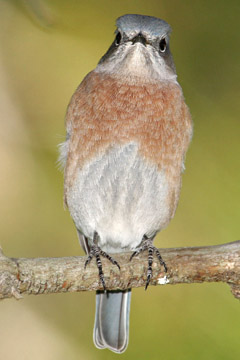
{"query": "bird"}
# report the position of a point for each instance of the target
(127, 132)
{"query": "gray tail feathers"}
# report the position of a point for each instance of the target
(112, 320)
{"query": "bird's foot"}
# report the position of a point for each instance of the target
(95, 251)
(147, 244)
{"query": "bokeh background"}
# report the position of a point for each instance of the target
(46, 48)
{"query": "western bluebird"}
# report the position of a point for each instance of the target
(128, 129)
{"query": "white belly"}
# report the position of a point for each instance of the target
(121, 197)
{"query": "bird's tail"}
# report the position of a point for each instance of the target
(112, 320)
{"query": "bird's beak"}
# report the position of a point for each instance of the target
(139, 38)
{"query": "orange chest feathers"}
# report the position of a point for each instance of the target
(104, 112)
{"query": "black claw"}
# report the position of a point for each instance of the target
(148, 281)
(114, 262)
(134, 254)
(88, 260)
(161, 259)
(101, 277)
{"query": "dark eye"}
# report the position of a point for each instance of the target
(162, 45)
(118, 38)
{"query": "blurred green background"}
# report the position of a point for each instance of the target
(46, 48)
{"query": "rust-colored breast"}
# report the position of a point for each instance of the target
(104, 111)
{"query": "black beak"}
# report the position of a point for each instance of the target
(139, 38)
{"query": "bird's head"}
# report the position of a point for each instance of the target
(140, 50)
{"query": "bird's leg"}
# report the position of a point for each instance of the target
(147, 244)
(95, 251)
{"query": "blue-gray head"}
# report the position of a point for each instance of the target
(150, 27)
(140, 49)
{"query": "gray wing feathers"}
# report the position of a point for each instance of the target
(112, 320)
(83, 242)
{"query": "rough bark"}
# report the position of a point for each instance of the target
(56, 275)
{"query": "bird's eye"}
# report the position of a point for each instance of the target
(118, 38)
(162, 45)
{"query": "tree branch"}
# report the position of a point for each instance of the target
(185, 265)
